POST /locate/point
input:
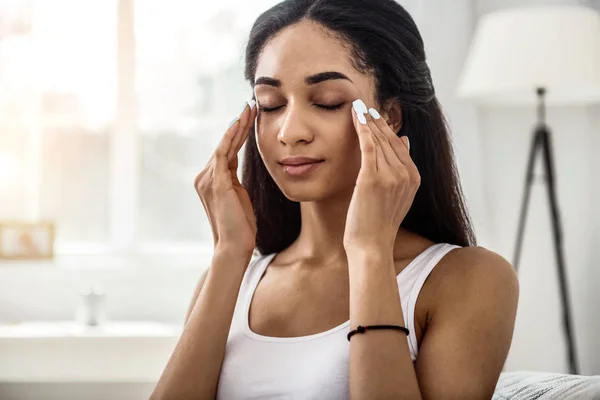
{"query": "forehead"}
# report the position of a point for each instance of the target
(304, 49)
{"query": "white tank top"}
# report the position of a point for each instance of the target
(306, 367)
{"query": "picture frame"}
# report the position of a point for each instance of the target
(23, 240)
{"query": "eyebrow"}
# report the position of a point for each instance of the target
(309, 80)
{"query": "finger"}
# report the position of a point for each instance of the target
(407, 143)
(245, 132)
(401, 147)
(368, 151)
(380, 161)
(220, 158)
(250, 127)
(388, 152)
(408, 165)
(403, 151)
(241, 125)
(379, 157)
(247, 120)
(408, 161)
(397, 145)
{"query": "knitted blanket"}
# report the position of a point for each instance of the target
(529, 385)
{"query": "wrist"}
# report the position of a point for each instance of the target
(232, 254)
(370, 260)
(369, 253)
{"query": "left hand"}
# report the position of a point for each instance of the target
(385, 188)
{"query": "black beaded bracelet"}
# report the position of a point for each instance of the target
(363, 329)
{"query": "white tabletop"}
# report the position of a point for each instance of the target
(62, 329)
(69, 352)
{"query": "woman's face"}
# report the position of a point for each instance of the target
(293, 119)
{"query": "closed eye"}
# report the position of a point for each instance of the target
(265, 109)
(331, 108)
(323, 106)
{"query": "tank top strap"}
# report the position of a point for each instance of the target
(254, 271)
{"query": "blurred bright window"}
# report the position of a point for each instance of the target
(57, 99)
(108, 110)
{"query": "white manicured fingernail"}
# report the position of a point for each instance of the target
(361, 109)
(374, 113)
(251, 103)
(233, 121)
(359, 106)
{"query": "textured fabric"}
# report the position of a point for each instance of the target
(306, 367)
(528, 385)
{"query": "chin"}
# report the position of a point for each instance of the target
(302, 191)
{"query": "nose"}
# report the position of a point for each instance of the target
(294, 126)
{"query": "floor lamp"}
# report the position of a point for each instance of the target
(540, 56)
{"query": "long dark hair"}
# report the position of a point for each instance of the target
(384, 41)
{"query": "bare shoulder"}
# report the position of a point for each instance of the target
(478, 263)
(469, 333)
(470, 274)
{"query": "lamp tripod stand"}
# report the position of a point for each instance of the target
(541, 143)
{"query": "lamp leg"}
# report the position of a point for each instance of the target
(535, 143)
(558, 247)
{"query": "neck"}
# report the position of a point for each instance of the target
(322, 231)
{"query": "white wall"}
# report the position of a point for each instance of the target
(492, 145)
(539, 341)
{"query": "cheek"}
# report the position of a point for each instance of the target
(350, 139)
(265, 135)
(343, 148)
(351, 150)
(353, 156)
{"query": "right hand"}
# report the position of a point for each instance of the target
(225, 200)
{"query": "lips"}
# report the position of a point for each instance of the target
(298, 160)
(301, 169)
(301, 162)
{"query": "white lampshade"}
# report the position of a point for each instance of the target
(514, 51)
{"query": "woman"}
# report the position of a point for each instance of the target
(352, 200)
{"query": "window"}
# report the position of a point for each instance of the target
(108, 110)
(57, 100)
(189, 81)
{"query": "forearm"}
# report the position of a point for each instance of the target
(380, 362)
(195, 364)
